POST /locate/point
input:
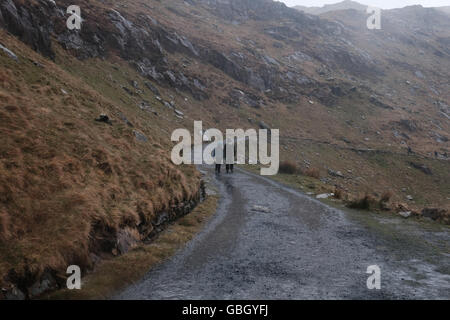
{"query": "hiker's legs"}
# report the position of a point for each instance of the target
(228, 168)
(231, 167)
(218, 167)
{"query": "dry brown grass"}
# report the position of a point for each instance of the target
(288, 167)
(363, 203)
(312, 172)
(115, 274)
(66, 181)
(386, 196)
(339, 193)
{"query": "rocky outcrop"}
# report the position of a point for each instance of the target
(145, 43)
(30, 23)
(141, 45)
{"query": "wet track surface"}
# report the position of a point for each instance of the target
(299, 248)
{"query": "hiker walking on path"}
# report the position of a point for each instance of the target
(218, 156)
(230, 156)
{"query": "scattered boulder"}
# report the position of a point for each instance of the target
(104, 118)
(152, 88)
(260, 209)
(134, 84)
(140, 136)
(299, 56)
(405, 214)
(335, 173)
(421, 167)
(374, 100)
(167, 104)
(37, 64)
(11, 54)
(419, 74)
(179, 114)
(324, 195)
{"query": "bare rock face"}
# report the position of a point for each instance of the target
(29, 24)
(241, 10)
(145, 43)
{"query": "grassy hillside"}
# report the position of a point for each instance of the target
(68, 183)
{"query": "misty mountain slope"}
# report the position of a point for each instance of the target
(444, 9)
(344, 5)
(370, 104)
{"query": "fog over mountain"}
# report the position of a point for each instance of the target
(384, 4)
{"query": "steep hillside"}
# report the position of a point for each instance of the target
(368, 109)
(74, 190)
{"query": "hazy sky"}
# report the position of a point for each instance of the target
(385, 4)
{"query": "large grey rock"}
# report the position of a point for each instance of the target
(324, 195)
(179, 113)
(31, 24)
(259, 208)
(140, 136)
(15, 294)
(152, 88)
(335, 173)
(11, 54)
(405, 214)
(421, 167)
